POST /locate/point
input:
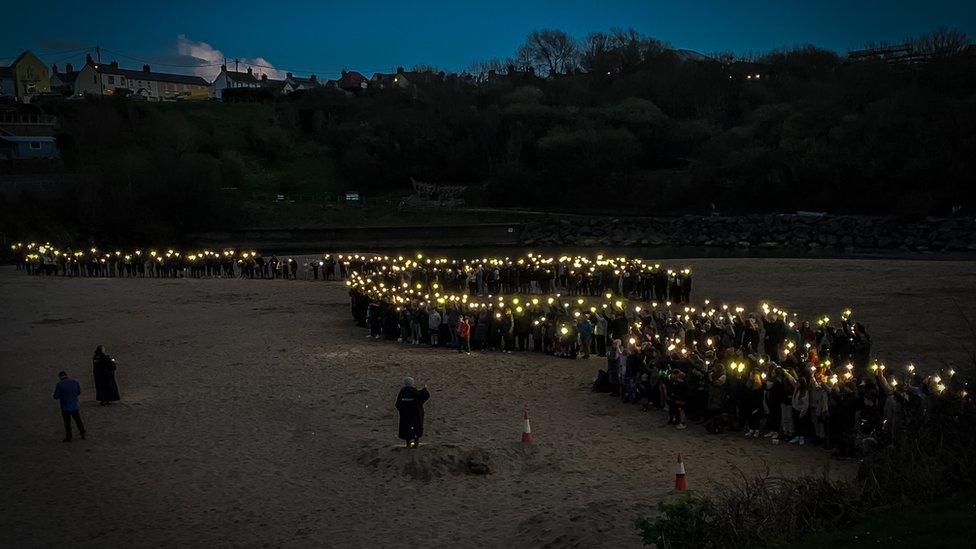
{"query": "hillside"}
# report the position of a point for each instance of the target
(652, 133)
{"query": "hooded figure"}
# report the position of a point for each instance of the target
(410, 404)
(103, 370)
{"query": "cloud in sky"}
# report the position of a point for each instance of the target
(209, 59)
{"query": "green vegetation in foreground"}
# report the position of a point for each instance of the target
(948, 523)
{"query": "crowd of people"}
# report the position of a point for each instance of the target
(532, 274)
(48, 260)
(765, 373)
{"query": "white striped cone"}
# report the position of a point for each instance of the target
(527, 430)
(680, 482)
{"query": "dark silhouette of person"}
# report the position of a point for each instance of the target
(410, 404)
(103, 370)
(66, 392)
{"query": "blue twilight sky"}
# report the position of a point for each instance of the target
(374, 35)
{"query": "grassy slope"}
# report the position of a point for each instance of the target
(946, 524)
(308, 172)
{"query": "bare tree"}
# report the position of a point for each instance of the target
(549, 50)
(481, 69)
(618, 50)
(942, 42)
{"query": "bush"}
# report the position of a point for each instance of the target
(684, 523)
(928, 456)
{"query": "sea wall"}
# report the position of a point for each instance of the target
(843, 233)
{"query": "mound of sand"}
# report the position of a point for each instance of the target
(435, 461)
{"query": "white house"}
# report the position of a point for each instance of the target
(109, 79)
(233, 79)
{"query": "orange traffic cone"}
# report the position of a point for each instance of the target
(680, 482)
(527, 430)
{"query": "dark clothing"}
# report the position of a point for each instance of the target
(410, 404)
(103, 370)
(66, 416)
(66, 392)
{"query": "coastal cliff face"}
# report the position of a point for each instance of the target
(844, 233)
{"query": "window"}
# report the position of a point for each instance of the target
(35, 145)
(111, 79)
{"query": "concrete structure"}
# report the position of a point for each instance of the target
(20, 147)
(25, 78)
(27, 133)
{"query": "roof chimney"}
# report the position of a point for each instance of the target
(145, 68)
(287, 75)
(312, 78)
(344, 73)
(249, 70)
(264, 77)
(54, 68)
(88, 59)
(69, 68)
(223, 68)
(114, 64)
(399, 70)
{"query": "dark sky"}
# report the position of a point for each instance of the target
(370, 36)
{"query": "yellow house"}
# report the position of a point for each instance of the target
(25, 78)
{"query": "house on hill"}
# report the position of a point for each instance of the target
(396, 80)
(299, 83)
(25, 78)
(63, 82)
(289, 84)
(281, 87)
(406, 80)
(110, 79)
(352, 82)
(233, 79)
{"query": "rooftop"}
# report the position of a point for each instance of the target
(145, 74)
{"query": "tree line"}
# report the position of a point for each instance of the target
(617, 122)
(623, 122)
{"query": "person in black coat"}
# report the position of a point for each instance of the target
(410, 405)
(103, 371)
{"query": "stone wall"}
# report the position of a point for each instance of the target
(793, 232)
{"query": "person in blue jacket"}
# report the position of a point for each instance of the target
(66, 392)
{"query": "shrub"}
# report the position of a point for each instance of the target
(684, 523)
(928, 456)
